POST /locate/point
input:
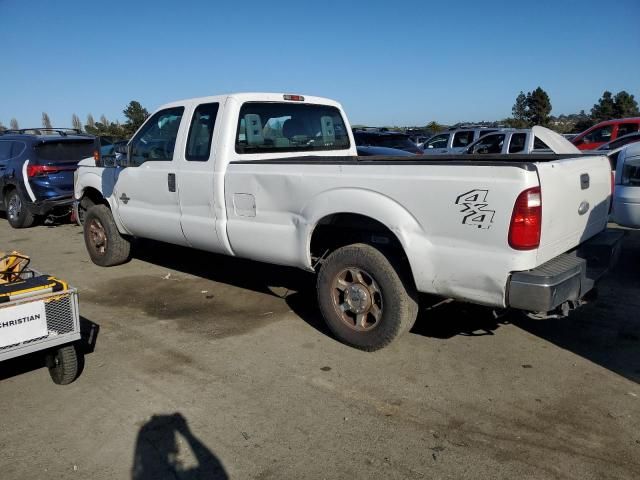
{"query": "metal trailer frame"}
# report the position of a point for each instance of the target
(63, 323)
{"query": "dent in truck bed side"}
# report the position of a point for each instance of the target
(448, 256)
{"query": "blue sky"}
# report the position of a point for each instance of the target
(389, 63)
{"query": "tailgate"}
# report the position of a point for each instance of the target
(575, 202)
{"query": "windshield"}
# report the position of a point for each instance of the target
(265, 127)
(65, 150)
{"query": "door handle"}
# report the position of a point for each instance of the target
(124, 199)
(171, 182)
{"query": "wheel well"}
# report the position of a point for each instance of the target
(341, 229)
(93, 197)
(6, 189)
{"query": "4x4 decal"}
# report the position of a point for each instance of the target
(475, 209)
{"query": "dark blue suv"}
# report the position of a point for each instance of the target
(36, 171)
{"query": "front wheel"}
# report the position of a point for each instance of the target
(104, 243)
(365, 301)
(17, 213)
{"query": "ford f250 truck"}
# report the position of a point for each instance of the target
(276, 178)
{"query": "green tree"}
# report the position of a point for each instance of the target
(135, 114)
(434, 127)
(46, 121)
(14, 124)
(76, 123)
(625, 105)
(538, 107)
(519, 111)
(605, 109)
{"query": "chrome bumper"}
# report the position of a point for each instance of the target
(566, 278)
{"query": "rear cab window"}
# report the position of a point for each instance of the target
(279, 127)
(540, 146)
(65, 150)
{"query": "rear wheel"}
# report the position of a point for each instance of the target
(365, 300)
(18, 215)
(104, 243)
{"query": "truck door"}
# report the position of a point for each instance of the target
(145, 190)
(195, 179)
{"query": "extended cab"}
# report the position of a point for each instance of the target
(275, 178)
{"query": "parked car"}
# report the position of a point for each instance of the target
(455, 140)
(370, 151)
(626, 200)
(383, 138)
(36, 171)
(276, 178)
(528, 140)
(605, 132)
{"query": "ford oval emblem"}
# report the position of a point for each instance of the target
(583, 208)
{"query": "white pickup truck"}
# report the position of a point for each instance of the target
(275, 178)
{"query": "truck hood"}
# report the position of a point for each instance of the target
(555, 141)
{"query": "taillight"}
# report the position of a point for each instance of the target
(37, 170)
(526, 220)
(96, 157)
(613, 187)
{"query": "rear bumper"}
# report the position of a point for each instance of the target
(568, 277)
(43, 207)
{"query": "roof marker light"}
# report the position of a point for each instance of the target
(294, 98)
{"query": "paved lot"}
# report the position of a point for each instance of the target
(208, 367)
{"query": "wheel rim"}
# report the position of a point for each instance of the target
(97, 237)
(357, 299)
(15, 207)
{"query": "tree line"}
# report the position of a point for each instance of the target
(534, 108)
(134, 113)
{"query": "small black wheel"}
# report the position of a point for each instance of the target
(18, 214)
(104, 243)
(365, 300)
(63, 365)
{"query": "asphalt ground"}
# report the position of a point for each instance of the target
(202, 366)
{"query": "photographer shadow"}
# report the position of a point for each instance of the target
(160, 454)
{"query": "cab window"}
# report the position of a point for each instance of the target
(439, 141)
(201, 132)
(517, 143)
(626, 128)
(463, 139)
(599, 135)
(157, 139)
(489, 144)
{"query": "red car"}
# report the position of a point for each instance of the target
(605, 132)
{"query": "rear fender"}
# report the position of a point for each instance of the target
(412, 236)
